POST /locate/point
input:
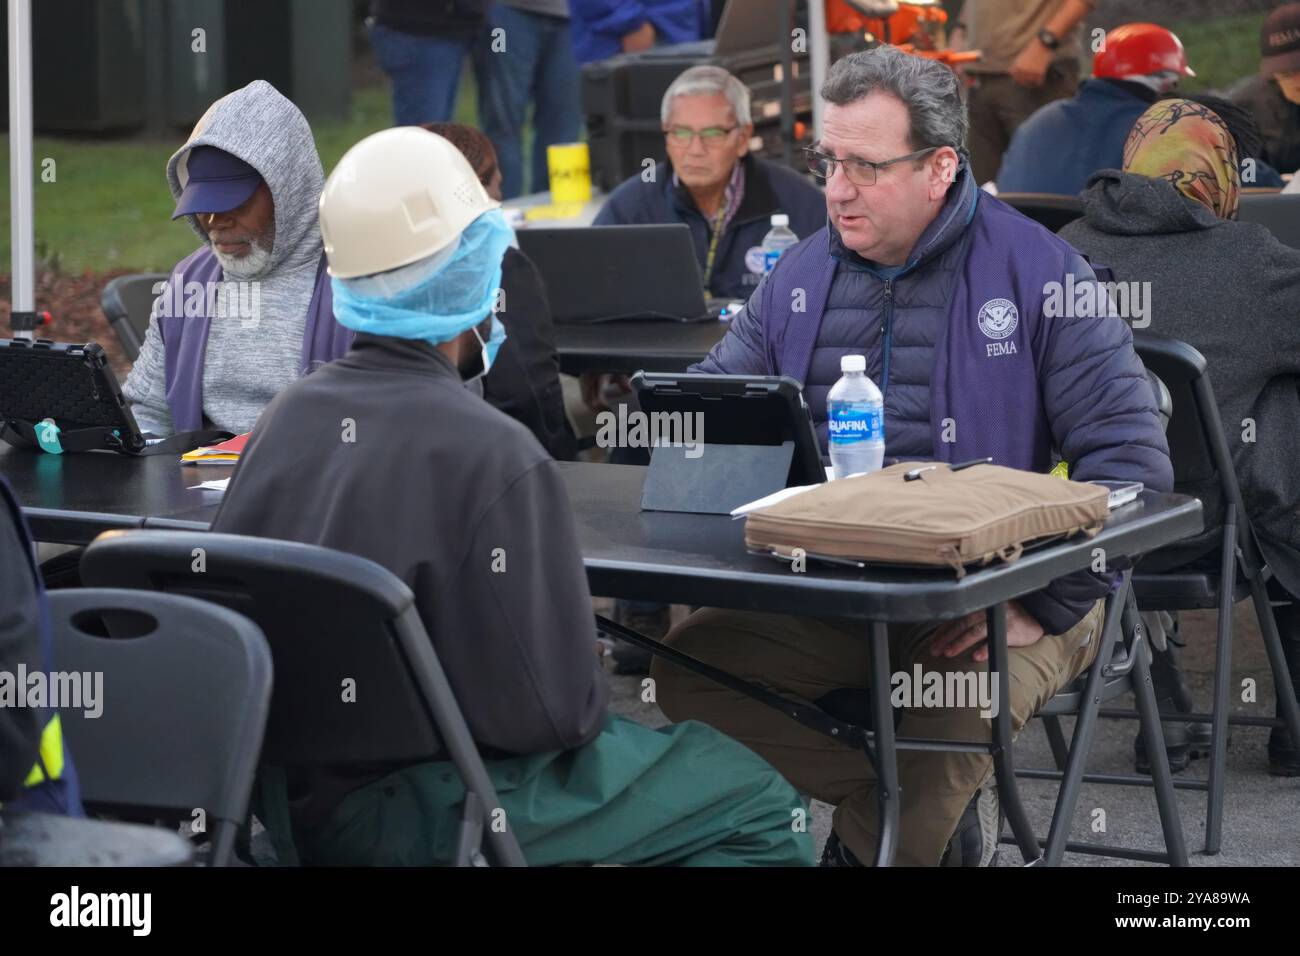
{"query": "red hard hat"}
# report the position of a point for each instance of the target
(1140, 49)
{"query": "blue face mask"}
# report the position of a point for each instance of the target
(490, 348)
(455, 296)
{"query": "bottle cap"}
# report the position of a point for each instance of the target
(853, 363)
(780, 219)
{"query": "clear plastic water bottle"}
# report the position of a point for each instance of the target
(855, 420)
(778, 239)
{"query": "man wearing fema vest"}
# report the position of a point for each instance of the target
(947, 292)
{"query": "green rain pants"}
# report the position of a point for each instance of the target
(684, 795)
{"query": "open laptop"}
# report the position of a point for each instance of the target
(616, 273)
(745, 25)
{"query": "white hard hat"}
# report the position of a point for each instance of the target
(396, 197)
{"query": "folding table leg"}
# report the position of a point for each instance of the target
(887, 790)
(1008, 791)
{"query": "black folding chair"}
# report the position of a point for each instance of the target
(1047, 209)
(329, 617)
(127, 302)
(1122, 666)
(1165, 581)
(186, 688)
(1279, 212)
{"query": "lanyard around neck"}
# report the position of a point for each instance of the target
(713, 243)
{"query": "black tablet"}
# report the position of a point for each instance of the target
(71, 384)
(753, 435)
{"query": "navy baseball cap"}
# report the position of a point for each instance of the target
(218, 182)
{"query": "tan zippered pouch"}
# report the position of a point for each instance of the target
(942, 517)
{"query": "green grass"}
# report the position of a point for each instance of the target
(1221, 50)
(109, 207)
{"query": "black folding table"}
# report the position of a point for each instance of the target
(631, 346)
(680, 559)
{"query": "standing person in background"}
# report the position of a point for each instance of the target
(529, 62)
(1031, 51)
(1273, 95)
(421, 45)
(604, 28)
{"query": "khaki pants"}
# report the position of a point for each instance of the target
(998, 104)
(807, 658)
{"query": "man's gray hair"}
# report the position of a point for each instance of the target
(932, 93)
(706, 80)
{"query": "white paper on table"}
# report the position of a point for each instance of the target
(769, 500)
(218, 484)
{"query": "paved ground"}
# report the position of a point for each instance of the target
(1262, 818)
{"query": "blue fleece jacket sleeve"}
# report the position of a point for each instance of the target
(1104, 421)
(741, 350)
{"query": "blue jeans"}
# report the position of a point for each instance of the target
(536, 66)
(424, 70)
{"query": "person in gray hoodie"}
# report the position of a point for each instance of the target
(1232, 291)
(250, 310)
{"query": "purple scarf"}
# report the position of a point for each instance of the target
(185, 338)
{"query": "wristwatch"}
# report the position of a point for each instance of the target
(1048, 39)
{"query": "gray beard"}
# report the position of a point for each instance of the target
(247, 266)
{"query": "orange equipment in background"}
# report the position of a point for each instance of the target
(920, 24)
(915, 28)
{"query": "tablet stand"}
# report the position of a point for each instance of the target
(719, 479)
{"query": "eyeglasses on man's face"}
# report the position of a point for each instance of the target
(710, 136)
(860, 172)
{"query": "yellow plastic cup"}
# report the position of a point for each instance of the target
(569, 166)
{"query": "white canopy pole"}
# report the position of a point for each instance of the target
(21, 206)
(818, 58)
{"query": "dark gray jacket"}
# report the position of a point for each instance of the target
(436, 481)
(1232, 291)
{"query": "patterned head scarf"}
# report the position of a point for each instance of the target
(1188, 145)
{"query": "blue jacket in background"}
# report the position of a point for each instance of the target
(971, 360)
(1066, 141)
(738, 260)
(599, 25)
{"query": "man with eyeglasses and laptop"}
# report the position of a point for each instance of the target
(713, 184)
(947, 292)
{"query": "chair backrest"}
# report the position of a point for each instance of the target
(177, 723)
(1198, 446)
(1048, 209)
(1164, 401)
(343, 631)
(1279, 212)
(127, 302)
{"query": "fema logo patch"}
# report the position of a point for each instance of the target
(755, 260)
(998, 318)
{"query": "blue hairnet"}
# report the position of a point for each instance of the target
(457, 295)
